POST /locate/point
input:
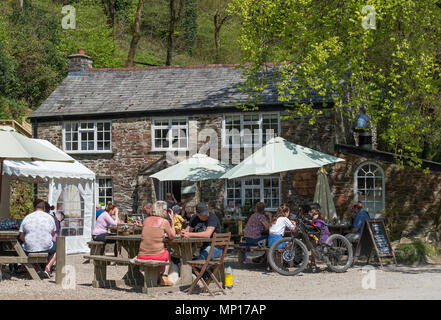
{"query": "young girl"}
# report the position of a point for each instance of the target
(278, 224)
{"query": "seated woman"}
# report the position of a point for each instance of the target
(104, 221)
(256, 225)
(279, 223)
(152, 239)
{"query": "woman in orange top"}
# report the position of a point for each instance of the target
(152, 240)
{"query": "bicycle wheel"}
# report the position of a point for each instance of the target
(291, 259)
(339, 253)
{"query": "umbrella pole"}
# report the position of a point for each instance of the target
(283, 187)
(1, 177)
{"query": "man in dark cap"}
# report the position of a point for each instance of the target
(203, 225)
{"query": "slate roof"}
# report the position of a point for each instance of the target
(151, 89)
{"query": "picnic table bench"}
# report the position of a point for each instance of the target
(148, 267)
(243, 249)
(11, 252)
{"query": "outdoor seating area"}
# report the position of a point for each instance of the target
(163, 252)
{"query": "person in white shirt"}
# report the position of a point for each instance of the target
(36, 233)
(279, 223)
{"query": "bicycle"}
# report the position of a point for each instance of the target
(289, 255)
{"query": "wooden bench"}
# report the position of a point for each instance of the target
(150, 270)
(31, 258)
(96, 248)
(243, 250)
(148, 267)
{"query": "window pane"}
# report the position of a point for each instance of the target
(107, 126)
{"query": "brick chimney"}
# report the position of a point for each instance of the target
(79, 62)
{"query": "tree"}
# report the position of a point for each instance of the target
(218, 10)
(175, 7)
(384, 57)
(136, 35)
(190, 24)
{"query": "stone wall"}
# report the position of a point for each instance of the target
(410, 194)
(131, 161)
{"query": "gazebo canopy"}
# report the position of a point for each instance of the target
(47, 170)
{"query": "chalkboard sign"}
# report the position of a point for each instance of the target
(374, 236)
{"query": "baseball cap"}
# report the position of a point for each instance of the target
(202, 209)
(176, 208)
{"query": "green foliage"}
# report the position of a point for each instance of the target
(190, 24)
(415, 252)
(94, 36)
(392, 71)
(21, 199)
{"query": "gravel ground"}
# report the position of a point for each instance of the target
(251, 283)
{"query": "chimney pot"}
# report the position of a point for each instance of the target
(79, 62)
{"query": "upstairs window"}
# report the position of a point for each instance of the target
(87, 136)
(249, 130)
(170, 134)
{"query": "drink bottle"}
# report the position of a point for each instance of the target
(228, 277)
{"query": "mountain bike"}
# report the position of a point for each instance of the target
(289, 255)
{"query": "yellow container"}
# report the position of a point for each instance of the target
(228, 277)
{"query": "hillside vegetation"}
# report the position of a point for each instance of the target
(34, 46)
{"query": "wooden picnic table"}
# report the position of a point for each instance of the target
(234, 221)
(12, 252)
(183, 248)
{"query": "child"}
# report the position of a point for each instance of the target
(178, 219)
(278, 224)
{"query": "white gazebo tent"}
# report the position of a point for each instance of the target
(71, 190)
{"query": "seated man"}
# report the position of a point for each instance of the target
(203, 225)
(360, 217)
(37, 231)
(99, 210)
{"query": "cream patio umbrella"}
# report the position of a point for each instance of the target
(15, 146)
(279, 156)
(197, 168)
(323, 195)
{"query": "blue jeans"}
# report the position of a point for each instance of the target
(254, 241)
(52, 250)
(205, 250)
(273, 239)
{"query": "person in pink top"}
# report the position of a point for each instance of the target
(104, 221)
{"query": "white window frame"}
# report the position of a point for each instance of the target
(225, 144)
(95, 136)
(170, 127)
(383, 188)
(98, 188)
(261, 188)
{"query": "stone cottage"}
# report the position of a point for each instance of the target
(128, 123)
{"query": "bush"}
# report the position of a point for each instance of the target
(415, 252)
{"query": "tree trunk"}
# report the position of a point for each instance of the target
(136, 35)
(175, 16)
(109, 10)
(171, 31)
(217, 37)
(218, 23)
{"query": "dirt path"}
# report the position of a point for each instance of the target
(402, 282)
